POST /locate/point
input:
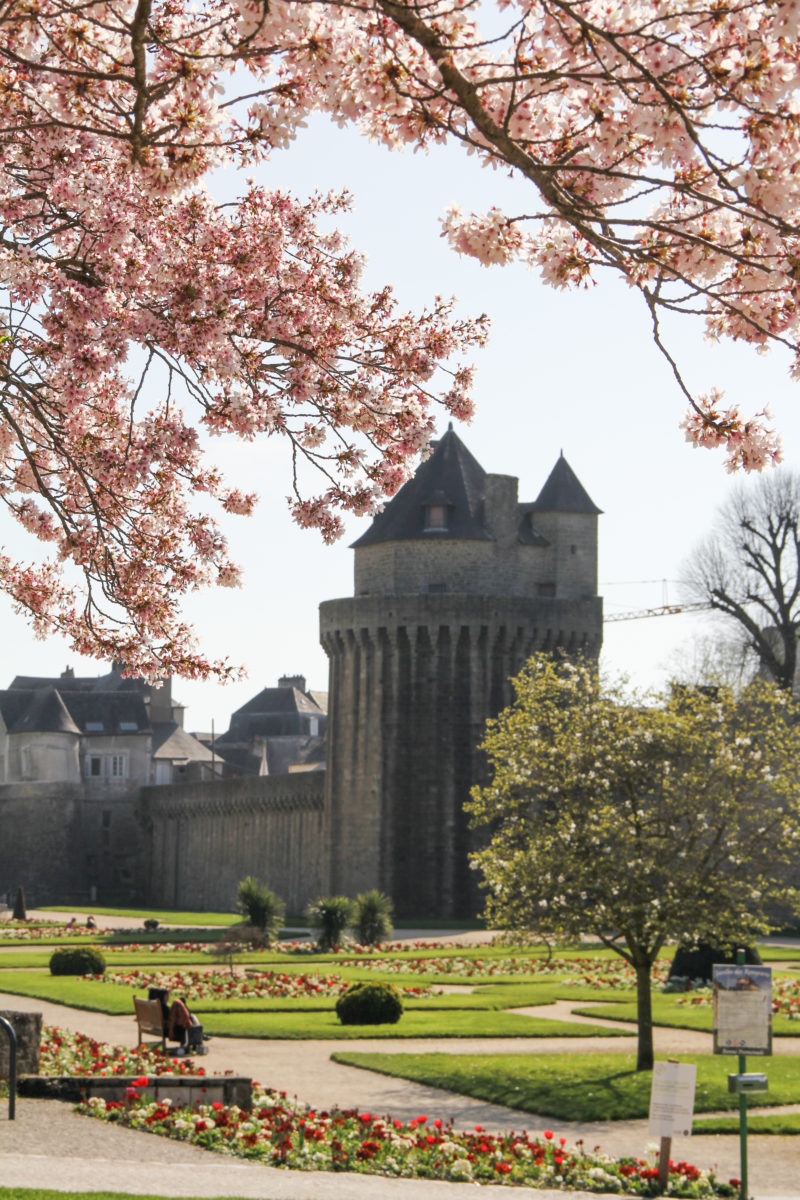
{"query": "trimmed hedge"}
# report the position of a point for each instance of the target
(77, 960)
(370, 1004)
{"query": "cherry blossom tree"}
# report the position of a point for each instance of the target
(638, 823)
(657, 138)
(139, 314)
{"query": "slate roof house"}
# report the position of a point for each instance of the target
(106, 731)
(279, 731)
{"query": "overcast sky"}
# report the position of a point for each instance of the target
(571, 371)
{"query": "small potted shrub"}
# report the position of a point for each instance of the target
(77, 960)
(370, 1004)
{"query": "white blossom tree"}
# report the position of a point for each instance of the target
(638, 823)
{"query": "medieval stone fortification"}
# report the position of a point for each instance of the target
(456, 583)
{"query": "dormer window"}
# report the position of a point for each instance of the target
(435, 516)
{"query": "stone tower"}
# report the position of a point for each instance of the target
(456, 585)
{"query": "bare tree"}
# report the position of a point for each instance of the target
(748, 569)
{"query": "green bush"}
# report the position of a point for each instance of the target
(370, 1004)
(261, 906)
(77, 960)
(330, 916)
(373, 918)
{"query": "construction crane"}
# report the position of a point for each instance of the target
(663, 610)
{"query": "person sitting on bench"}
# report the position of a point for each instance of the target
(178, 1021)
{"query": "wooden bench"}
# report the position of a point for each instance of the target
(150, 1019)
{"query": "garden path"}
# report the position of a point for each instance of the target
(304, 1069)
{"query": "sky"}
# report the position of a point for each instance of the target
(563, 371)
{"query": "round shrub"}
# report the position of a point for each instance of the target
(370, 1004)
(77, 960)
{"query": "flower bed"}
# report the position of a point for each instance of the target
(785, 998)
(586, 971)
(67, 1053)
(42, 931)
(255, 985)
(284, 1133)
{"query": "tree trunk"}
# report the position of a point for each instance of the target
(644, 1018)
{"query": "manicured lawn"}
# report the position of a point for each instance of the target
(452, 1015)
(777, 1123)
(667, 1011)
(452, 1023)
(585, 1087)
(166, 916)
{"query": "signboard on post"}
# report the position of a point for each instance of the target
(742, 1009)
(672, 1099)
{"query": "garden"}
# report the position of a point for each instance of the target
(290, 989)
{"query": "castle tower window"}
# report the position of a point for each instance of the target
(436, 516)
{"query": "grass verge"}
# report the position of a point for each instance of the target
(575, 1087)
(167, 916)
(666, 1011)
(776, 1123)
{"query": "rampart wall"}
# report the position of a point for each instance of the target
(179, 846)
(205, 838)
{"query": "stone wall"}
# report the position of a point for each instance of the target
(412, 682)
(205, 838)
(28, 1028)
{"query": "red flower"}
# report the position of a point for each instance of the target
(142, 1081)
(548, 1133)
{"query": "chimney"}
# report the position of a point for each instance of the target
(293, 681)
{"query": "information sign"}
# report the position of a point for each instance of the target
(742, 1009)
(672, 1099)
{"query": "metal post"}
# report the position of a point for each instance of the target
(12, 1066)
(742, 1112)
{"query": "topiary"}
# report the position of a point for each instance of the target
(77, 960)
(370, 1004)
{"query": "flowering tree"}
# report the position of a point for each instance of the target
(130, 296)
(659, 138)
(638, 823)
(659, 141)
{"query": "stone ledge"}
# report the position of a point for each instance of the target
(183, 1089)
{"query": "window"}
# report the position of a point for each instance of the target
(94, 726)
(105, 831)
(546, 589)
(94, 766)
(437, 587)
(436, 516)
(128, 727)
(117, 766)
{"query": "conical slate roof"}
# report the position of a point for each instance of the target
(563, 492)
(451, 476)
